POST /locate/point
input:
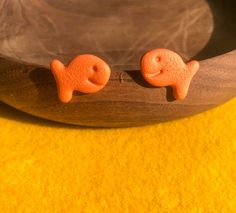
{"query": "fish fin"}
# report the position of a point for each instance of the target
(193, 67)
(64, 91)
(57, 67)
(180, 90)
(65, 94)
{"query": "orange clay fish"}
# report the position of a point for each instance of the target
(162, 67)
(86, 73)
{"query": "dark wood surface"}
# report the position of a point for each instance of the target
(119, 32)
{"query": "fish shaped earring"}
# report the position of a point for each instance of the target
(162, 67)
(86, 74)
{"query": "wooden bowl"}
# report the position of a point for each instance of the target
(120, 32)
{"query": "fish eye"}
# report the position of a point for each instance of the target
(158, 58)
(95, 68)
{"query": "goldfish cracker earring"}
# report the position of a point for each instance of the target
(86, 74)
(162, 67)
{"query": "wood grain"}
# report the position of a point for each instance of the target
(118, 31)
(47, 29)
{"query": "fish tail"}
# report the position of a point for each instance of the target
(57, 68)
(193, 67)
(181, 88)
(63, 88)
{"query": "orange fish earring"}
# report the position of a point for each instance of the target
(86, 74)
(162, 67)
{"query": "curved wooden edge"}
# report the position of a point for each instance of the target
(127, 100)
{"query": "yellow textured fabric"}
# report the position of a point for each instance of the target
(182, 166)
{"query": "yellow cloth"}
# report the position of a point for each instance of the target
(182, 166)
